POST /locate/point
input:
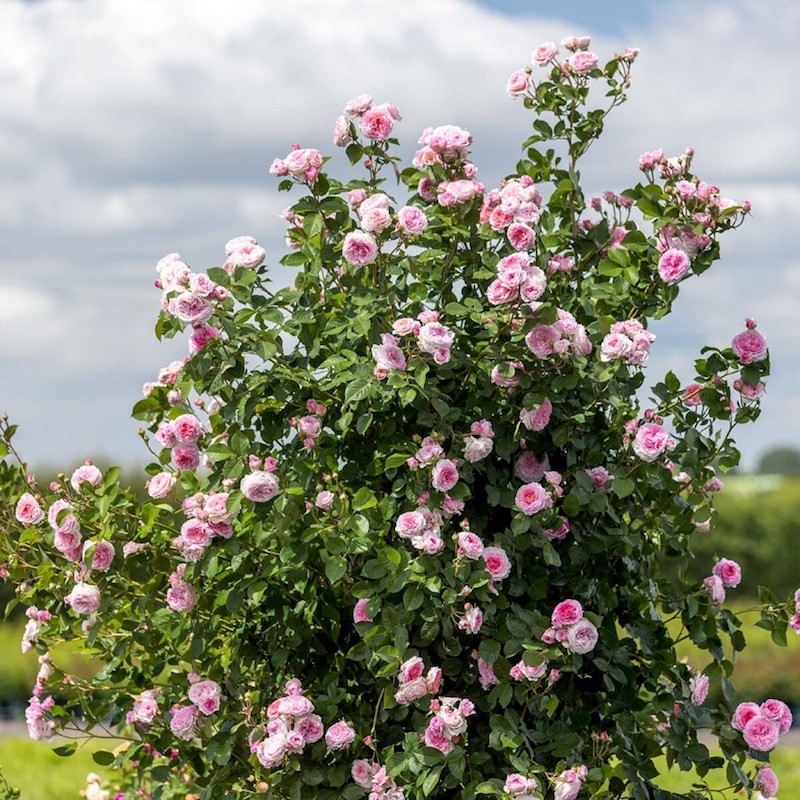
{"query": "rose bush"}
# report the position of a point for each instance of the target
(407, 516)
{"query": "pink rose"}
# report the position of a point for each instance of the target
(715, 588)
(84, 598)
(182, 723)
(187, 428)
(206, 695)
(359, 105)
(472, 621)
(324, 500)
(191, 309)
(436, 736)
(28, 512)
(444, 475)
(761, 734)
(532, 498)
(374, 220)
(412, 221)
(673, 266)
(515, 784)
(541, 340)
(410, 523)
(433, 337)
(518, 83)
(159, 486)
(309, 426)
(377, 123)
(339, 736)
(102, 555)
(359, 249)
(614, 346)
(743, 714)
(698, 685)
(360, 611)
(651, 441)
(476, 448)
(470, 545)
(767, 782)
(497, 563)
(583, 62)
(185, 456)
(520, 236)
(729, 572)
(411, 669)
(181, 597)
(342, 135)
(86, 473)
(779, 712)
(259, 486)
(544, 54)
(529, 467)
(361, 772)
(536, 419)
(581, 637)
(749, 346)
(311, 728)
(567, 612)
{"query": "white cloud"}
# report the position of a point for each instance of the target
(128, 130)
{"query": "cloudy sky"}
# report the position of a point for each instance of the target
(132, 129)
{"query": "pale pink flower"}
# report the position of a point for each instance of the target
(28, 512)
(206, 695)
(541, 340)
(359, 249)
(497, 563)
(779, 712)
(651, 441)
(476, 448)
(412, 221)
(529, 467)
(520, 236)
(102, 554)
(566, 613)
(472, 621)
(729, 572)
(444, 475)
(185, 456)
(324, 500)
(410, 523)
(743, 713)
(86, 473)
(581, 637)
(187, 428)
(518, 83)
(339, 736)
(84, 599)
(183, 721)
(698, 685)
(159, 486)
(766, 781)
(342, 135)
(715, 588)
(761, 734)
(614, 346)
(377, 123)
(486, 676)
(583, 62)
(749, 346)
(358, 105)
(181, 596)
(532, 498)
(259, 486)
(360, 611)
(470, 544)
(673, 266)
(434, 337)
(544, 54)
(537, 419)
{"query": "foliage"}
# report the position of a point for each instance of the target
(452, 533)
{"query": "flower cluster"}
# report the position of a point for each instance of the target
(209, 517)
(762, 725)
(36, 619)
(41, 726)
(309, 427)
(422, 528)
(628, 341)
(516, 278)
(514, 208)
(166, 378)
(374, 779)
(292, 725)
(726, 574)
(568, 784)
(564, 337)
(446, 145)
(413, 684)
(242, 252)
(571, 628)
(479, 445)
(374, 121)
(519, 787)
(448, 723)
(145, 708)
(182, 435)
(302, 164)
(181, 596)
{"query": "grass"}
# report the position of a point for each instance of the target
(42, 775)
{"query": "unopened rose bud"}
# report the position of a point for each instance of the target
(750, 323)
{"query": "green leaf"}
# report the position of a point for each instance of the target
(103, 758)
(335, 568)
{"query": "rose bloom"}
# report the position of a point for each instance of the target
(518, 83)
(159, 486)
(86, 473)
(182, 723)
(497, 563)
(359, 249)
(715, 588)
(358, 105)
(529, 467)
(374, 220)
(342, 135)
(651, 441)
(324, 500)
(361, 772)
(309, 426)
(470, 544)
(532, 498)
(28, 511)
(360, 611)
(411, 220)
(729, 572)
(761, 734)
(567, 612)
(779, 712)
(434, 336)
(673, 266)
(520, 236)
(187, 428)
(614, 346)
(476, 448)
(537, 419)
(541, 340)
(181, 597)
(743, 714)
(259, 486)
(581, 637)
(84, 598)
(445, 475)
(749, 346)
(410, 523)
(339, 736)
(698, 686)
(544, 53)
(185, 456)
(767, 782)
(377, 123)
(206, 695)
(411, 669)
(102, 556)
(583, 62)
